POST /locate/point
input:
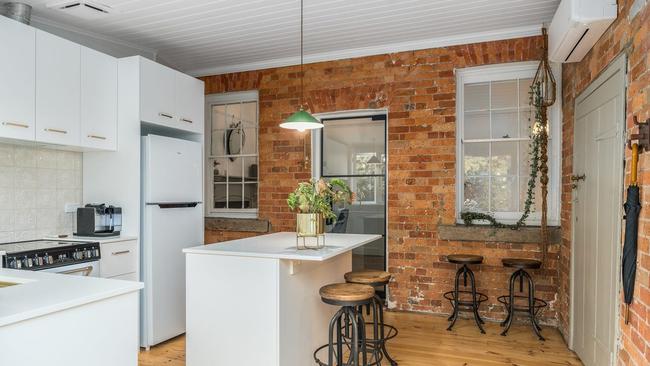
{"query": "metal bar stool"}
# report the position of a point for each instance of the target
(350, 297)
(532, 305)
(454, 296)
(382, 332)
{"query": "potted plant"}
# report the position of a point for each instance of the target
(313, 202)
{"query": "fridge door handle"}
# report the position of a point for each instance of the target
(175, 205)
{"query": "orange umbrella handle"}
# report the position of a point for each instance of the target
(635, 161)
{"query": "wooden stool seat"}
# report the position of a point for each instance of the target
(521, 263)
(368, 277)
(345, 293)
(465, 259)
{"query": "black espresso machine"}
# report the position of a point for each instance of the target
(99, 220)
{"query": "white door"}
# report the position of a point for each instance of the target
(17, 63)
(58, 95)
(98, 100)
(597, 215)
(189, 103)
(157, 93)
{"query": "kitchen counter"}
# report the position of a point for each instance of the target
(262, 291)
(42, 293)
(283, 246)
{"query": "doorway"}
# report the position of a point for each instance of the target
(352, 147)
(597, 214)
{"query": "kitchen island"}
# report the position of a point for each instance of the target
(255, 301)
(65, 320)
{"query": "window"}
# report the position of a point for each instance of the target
(493, 137)
(232, 154)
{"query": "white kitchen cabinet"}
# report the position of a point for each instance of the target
(157, 94)
(98, 100)
(17, 80)
(58, 90)
(120, 260)
(189, 102)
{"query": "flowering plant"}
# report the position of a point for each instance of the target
(318, 196)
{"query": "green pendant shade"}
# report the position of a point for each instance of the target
(301, 121)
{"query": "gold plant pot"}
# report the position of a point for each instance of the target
(310, 225)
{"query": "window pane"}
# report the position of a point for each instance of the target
(504, 194)
(504, 124)
(250, 169)
(220, 167)
(218, 146)
(504, 94)
(476, 158)
(349, 145)
(476, 125)
(504, 158)
(235, 195)
(235, 170)
(219, 196)
(526, 119)
(523, 193)
(250, 195)
(524, 158)
(249, 114)
(477, 97)
(249, 141)
(233, 114)
(218, 117)
(365, 189)
(524, 91)
(476, 194)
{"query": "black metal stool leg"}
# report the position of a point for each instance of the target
(511, 303)
(335, 322)
(354, 344)
(381, 332)
(477, 318)
(454, 315)
(531, 305)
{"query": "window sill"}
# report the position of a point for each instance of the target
(237, 224)
(484, 233)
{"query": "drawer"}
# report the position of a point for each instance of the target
(119, 258)
(133, 276)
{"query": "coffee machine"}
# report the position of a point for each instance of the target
(99, 220)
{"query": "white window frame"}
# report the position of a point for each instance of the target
(227, 98)
(503, 72)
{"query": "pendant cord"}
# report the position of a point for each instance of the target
(302, 74)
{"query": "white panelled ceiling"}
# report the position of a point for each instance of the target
(215, 36)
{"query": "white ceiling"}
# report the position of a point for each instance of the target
(215, 36)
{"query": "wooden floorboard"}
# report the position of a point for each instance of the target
(424, 341)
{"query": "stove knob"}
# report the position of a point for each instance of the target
(19, 263)
(96, 253)
(27, 262)
(38, 261)
(89, 253)
(11, 263)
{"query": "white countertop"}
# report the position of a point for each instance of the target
(41, 293)
(283, 246)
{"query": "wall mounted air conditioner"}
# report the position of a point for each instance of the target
(576, 26)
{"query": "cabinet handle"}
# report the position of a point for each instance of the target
(166, 115)
(96, 137)
(121, 252)
(56, 130)
(14, 124)
(187, 120)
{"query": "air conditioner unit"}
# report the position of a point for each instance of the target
(576, 26)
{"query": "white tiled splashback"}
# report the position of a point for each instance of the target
(35, 185)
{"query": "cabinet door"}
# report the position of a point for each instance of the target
(98, 100)
(17, 65)
(157, 94)
(189, 102)
(119, 258)
(58, 78)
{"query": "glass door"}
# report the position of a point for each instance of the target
(354, 149)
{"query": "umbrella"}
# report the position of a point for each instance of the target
(632, 207)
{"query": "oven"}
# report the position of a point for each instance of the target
(88, 269)
(77, 258)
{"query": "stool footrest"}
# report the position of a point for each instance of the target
(538, 305)
(480, 298)
(372, 360)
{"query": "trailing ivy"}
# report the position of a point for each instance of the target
(538, 137)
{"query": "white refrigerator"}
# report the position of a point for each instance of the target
(172, 194)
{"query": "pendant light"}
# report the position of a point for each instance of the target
(301, 120)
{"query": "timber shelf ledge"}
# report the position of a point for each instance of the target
(484, 233)
(237, 224)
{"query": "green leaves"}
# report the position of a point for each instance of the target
(318, 196)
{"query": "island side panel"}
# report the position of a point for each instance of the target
(232, 311)
(101, 333)
(304, 318)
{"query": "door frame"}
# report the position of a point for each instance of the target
(616, 65)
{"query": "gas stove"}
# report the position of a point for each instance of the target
(39, 255)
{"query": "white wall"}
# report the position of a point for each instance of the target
(35, 185)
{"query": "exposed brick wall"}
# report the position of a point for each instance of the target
(418, 88)
(628, 36)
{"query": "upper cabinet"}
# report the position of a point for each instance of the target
(98, 100)
(17, 80)
(58, 90)
(170, 98)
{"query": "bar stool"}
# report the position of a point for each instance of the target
(455, 295)
(380, 336)
(532, 305)
(350, 297)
